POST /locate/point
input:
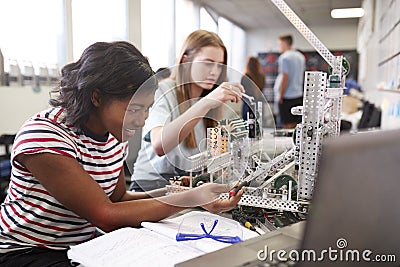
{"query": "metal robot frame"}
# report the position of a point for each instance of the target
(322, 105)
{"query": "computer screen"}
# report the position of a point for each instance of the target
(355, 206)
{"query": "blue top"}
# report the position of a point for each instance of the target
(293, 64)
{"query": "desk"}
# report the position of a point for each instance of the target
(245, 253)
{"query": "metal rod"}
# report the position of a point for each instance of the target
(306, 32)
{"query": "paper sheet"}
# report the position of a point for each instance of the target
(131, 247)
(154, 245)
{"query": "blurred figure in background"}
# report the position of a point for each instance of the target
(163, 73)
(253, 82)
(288, 88)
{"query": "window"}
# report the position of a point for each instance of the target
(234, 40)
(207, 22)
(31, 31)
(97, 21)
(158, 32)
(186, 21)
(238, 52)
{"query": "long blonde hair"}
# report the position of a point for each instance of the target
(182, 73)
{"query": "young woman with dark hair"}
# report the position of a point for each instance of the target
(67, 160)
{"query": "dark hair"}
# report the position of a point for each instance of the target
(163, 73)
(254, 71)
(115, 70)
(286, 38)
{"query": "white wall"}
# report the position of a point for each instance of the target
(379, 48)
(17, 104)
(368, 70)
(368, 48)
(333, 37)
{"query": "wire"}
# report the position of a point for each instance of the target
(249, 226)
(240, 217)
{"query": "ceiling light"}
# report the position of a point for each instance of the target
(347, 13)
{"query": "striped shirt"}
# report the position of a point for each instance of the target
(30, 216)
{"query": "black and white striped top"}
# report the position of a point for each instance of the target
(30, 216)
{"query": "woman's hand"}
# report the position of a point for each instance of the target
(208, 197)
(227, 91)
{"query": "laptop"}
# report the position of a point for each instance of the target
(353, 218)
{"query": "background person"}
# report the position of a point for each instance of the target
(163, 73)
(253, 82)
(288, 88)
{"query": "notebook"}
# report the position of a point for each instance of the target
(353, 210)
(154, 244)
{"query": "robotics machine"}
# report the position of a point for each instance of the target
(286, 182)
